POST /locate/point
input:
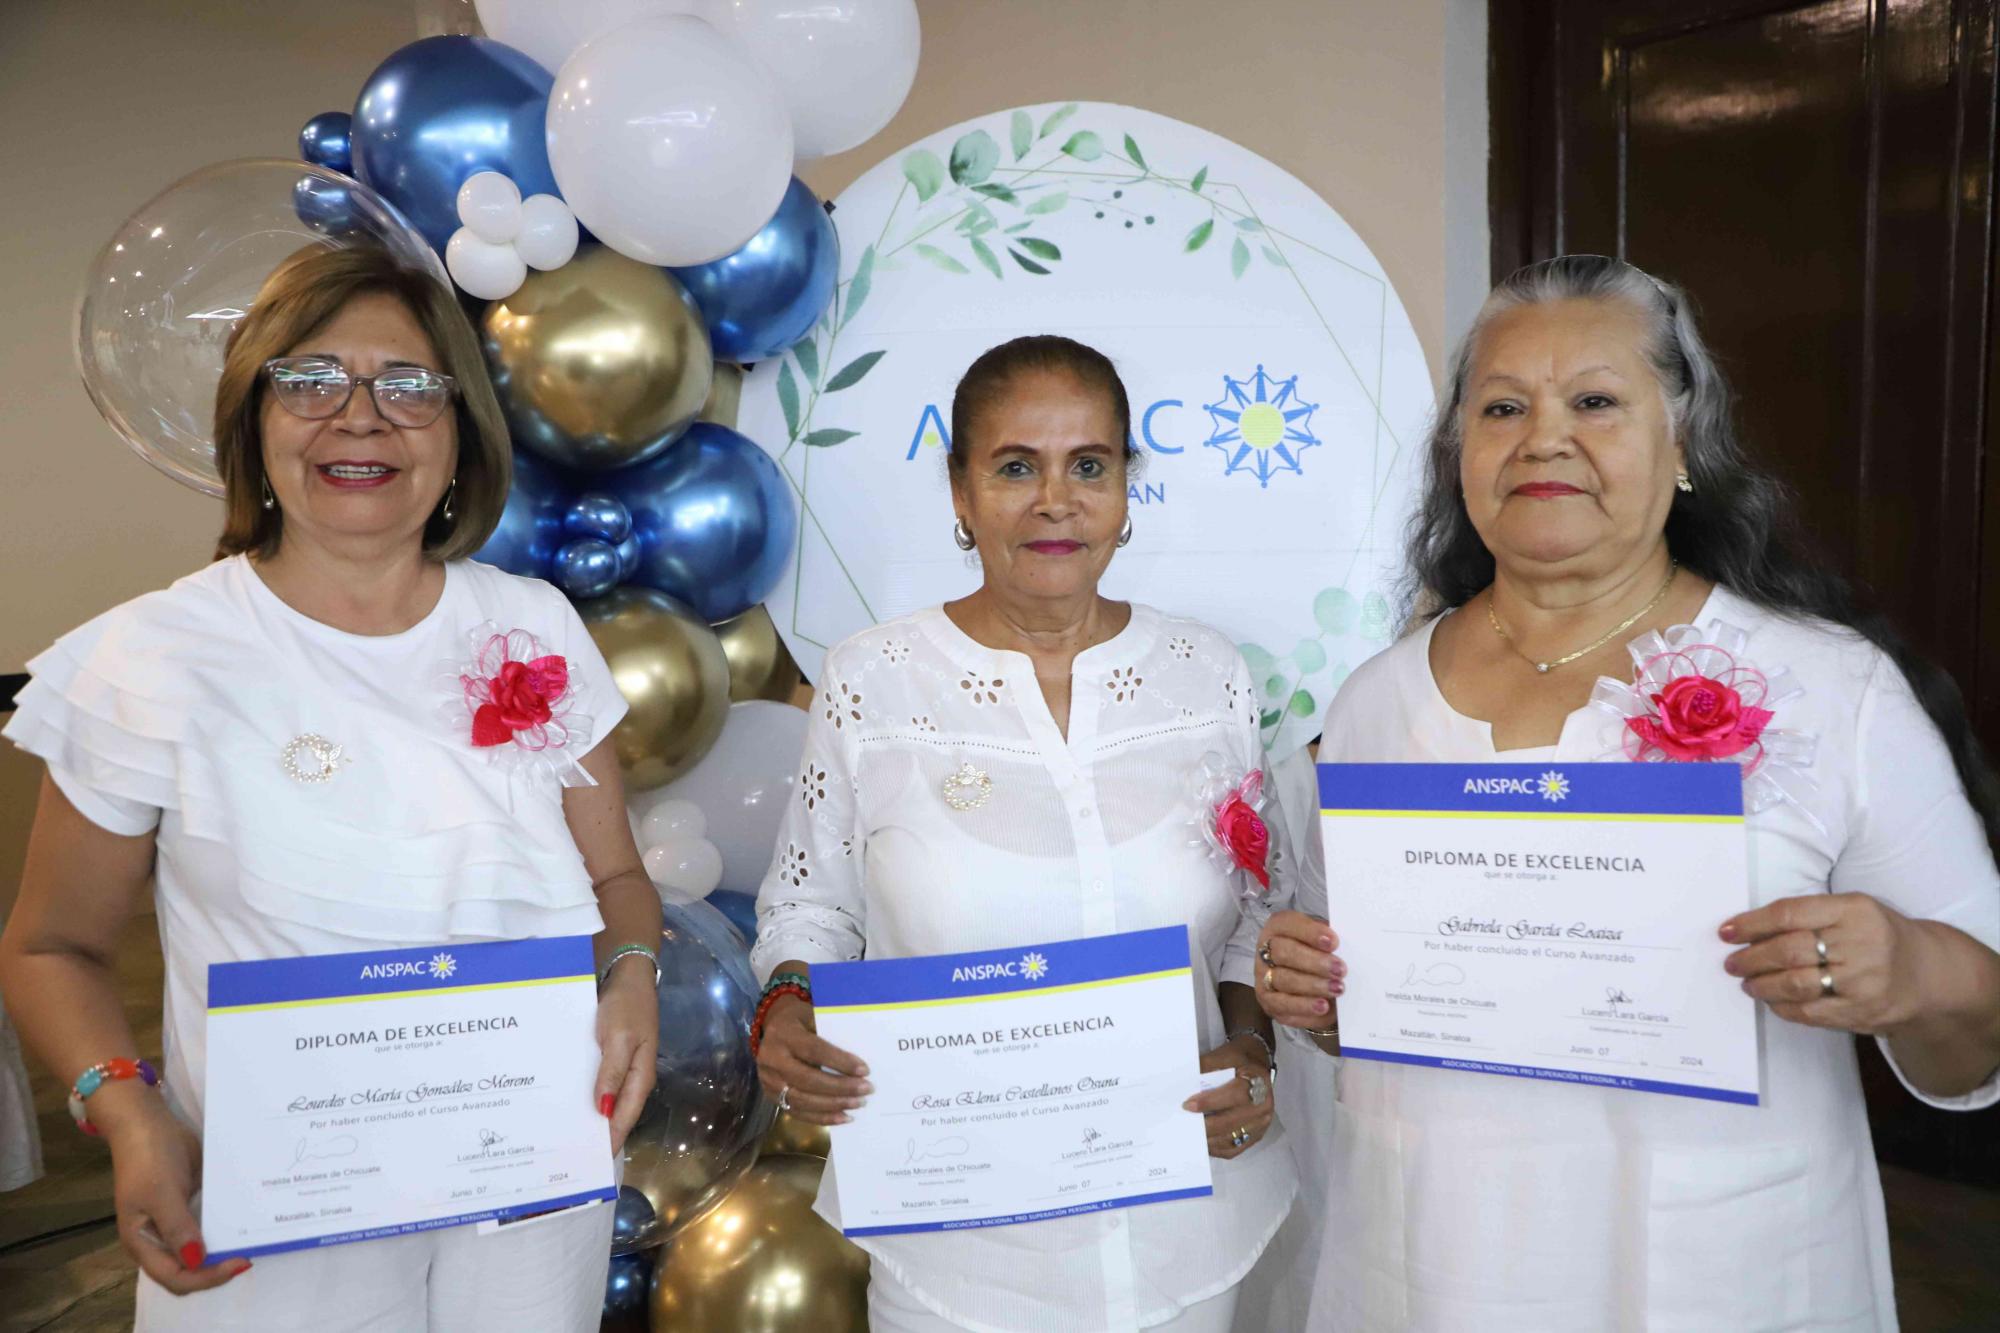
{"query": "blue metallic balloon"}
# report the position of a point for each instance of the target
(531, 526)
(739, 908)
(598, 515)
(586, 568)
(324, 205)
(769, 294)
(440, 110)
(625, 1291)
(327, 141)
(715, 519)
(630, 551)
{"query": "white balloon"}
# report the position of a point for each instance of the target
(668, 141)
(548, 232)
(844, 66)
(690, 868)
(547, 31)
(490, 205)
(485, 270)
(670, 819)
(744, 783)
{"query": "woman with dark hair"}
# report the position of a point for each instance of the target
(1015, 767)
(1585, 490)
(284, 750)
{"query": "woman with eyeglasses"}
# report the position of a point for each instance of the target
(341, 736)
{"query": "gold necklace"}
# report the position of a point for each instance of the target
(1673, 568)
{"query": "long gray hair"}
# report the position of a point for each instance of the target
(1739, 528)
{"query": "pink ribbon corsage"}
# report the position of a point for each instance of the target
(1232, 829)
(513, 700)
(1693, 699)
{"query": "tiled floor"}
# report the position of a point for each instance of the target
(1945, 1238)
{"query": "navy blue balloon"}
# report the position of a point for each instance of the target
(631, 1220)
(327, 141)
(740, 908)
(625, 1291)
(324, 205)
(442, 109)
(630, 551)
(531, 526)
(586, 568)
(598, 515)
(769, 294)
(715, 520)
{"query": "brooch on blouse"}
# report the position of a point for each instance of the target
(968, 788)
(311, 758)
(514, 701)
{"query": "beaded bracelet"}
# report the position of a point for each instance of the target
(626, 951)
(785, 983)
(95, 1077)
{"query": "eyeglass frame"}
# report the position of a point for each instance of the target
(354, 381)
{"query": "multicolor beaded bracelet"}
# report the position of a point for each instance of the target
(781, 983)
(95, 1077)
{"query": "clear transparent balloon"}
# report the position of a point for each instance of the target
(169, 287)
(701, 1126)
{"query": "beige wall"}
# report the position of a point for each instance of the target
(106, 102)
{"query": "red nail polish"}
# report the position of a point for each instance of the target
(604, 1104)
(192, 1254)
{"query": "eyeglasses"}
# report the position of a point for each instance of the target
(316, 388)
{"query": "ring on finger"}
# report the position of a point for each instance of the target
(784, 1098)
(1264, 954)
(1270, 978)
(1260, 1089)
(1239, 1136)
(1826, 982)
(1819, 947)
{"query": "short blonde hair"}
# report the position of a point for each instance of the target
(301, 295)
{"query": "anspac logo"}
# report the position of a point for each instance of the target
(439, 967)
(1551, 786)
(1031, 967)
(1262, 426)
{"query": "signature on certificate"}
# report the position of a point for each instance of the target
(1614, 996)
(1437, 974)
(953, 1146)
(340, 1145)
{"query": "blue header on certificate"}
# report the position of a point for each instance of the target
(1549, 790)
(325, 978)
(1064, 965)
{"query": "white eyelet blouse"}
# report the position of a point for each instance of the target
(1087, 835)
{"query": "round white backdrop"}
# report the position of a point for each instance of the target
(1278, 392)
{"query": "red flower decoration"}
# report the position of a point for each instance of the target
(1243, 831)
(1700, 718)
(514, 692)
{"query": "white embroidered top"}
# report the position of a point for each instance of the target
(173, 711)
(1087, 835)
(1458, 1200)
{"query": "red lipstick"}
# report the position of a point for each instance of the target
(1546, 490)
(1055, 548)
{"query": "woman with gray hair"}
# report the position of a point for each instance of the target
(1585, 491)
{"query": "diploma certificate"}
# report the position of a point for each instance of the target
(1014, 1085)
(1550, 921)
(354, 1096)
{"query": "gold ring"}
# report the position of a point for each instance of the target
(1271, 979)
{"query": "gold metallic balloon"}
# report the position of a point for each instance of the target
(671, 670)
(759, 666)
(788, 1135)
(725, 395)
(599, 363)
(763, 1262)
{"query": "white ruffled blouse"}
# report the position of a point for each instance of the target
(1462, 1201)
(1087, 834)
(173, 712)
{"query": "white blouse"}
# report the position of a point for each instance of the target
(173, 712)
(1458, 1201)
(1087, 835)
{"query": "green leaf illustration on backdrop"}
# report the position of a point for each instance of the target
(1299, 683)
(956, 201)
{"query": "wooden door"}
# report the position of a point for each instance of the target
(1819, 175)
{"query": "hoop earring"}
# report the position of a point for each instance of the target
(960, 537)
(270, 500)
(1125, 533)
(1683, 485)
(449, 491)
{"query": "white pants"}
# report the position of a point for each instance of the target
(892, 1309)
(545, 1276)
